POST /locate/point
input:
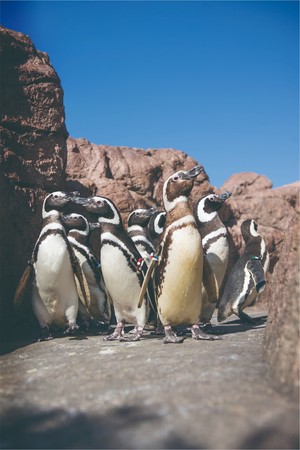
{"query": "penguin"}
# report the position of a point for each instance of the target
(119, 262)
(247, 279)
(52, 268)
(215, 245)
(179, 270)
(156, 227)
(137, 229)
(78, 236)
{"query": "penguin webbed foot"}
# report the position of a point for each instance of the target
(171, 337)
(72, 329)
(198, 334)
(159, 330)
(117, 335)
(45, 334)
(137, 334)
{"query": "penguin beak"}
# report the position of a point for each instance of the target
(82, 201)
(71, 195)
(94, 225)
(193, 173)
(225, 196)
(150, 212)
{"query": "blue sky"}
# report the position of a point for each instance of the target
(218, 80)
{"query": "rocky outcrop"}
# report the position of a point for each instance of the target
(131, 177)
(282, 349)
(134, 178)
(32, 154)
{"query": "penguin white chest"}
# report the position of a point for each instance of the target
(119, 278)
(217, 255)
(54, 280)
(180, 293)
(53, 262)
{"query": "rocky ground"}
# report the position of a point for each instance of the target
(86, 393)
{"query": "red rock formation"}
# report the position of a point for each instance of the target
(134, 178)
(32, 154)
(282, 349)
(131, 177)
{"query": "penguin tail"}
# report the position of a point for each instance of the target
(23, 286)
(260, 287)
(221, 315)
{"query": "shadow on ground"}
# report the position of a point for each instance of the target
(72, 429)
(230, 327)
(32, 429)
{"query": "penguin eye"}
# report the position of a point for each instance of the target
(55, 196)
(176, 178)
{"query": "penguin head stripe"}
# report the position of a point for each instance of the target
(139, 217)
(249, 229)
(159, 222)
(178, 186)
(55, 202)
(76, 222)
(209, 205)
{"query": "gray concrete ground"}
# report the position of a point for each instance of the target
(87, 393)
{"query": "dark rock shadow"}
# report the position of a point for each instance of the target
(30, 428)
(281, 434)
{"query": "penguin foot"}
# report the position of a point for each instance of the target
(45, 334)
(159, 330)
(72, 329)
(137, 334)
(171, 337)
(200, 335)
(117, 335)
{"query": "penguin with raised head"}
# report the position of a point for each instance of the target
(121, 274)
(215, 245)
(247, 279)
(137, 229)
(179, 270)
(52, 270)
(79, 230)
(156, 227)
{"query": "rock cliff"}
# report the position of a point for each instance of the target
(33, 154)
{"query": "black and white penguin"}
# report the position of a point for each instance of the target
(215, 244)
(248, 276)
(156, 227)
(137, 229)
(119, 262)
(179, 270)
(53, 265)
(78, 236)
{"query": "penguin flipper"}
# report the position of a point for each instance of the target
(23, 285)
(210, 281)
(254, 266)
